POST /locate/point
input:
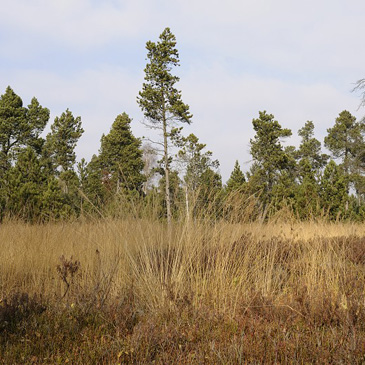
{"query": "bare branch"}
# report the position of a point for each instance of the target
(151, 126)
(360, 86)
(152, 141)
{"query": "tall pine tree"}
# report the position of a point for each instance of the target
(159, 99)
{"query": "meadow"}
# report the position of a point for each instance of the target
(137, 291)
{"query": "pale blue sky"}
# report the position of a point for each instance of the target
(297, 60)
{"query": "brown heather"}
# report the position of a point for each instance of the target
(136, 291)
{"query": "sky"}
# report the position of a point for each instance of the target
(298, 60)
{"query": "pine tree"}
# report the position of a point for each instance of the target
(93, 188)
(236, 181)
(65, 133)
(121, 157)
(59, 157)
(53, 201)
(307, 192)
(209, 197)
(19, 126)
(32, 195)
(200, 175)
(345, 140)
(159, 99)
(310, 148)
(311, 161)
(24, 182)
(333, 191)
(271, 160)
(13, 122)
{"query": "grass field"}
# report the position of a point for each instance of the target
(135, 291)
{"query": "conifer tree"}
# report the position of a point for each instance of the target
(93, 187)
(159, 99)
(53, 201)
(311, 161)
(19, 126)
(333, 191)
(200, 175)
(59, 157)
(307, 192)
(346, 140)
(13, 121)
(209, 197)
(310, 148)
(32, 195)
(236, 181)
(65, 133)
(25, 184)
(121, 156)
(271, 160)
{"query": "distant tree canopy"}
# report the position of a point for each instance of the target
(41, 180)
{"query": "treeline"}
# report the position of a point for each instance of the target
(40, 179)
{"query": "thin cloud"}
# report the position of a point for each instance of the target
(77, 23)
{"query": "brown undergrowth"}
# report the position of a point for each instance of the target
(136, 291)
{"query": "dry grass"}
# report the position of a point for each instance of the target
(194, 293)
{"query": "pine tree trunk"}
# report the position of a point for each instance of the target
(347, 175)
(167, 177)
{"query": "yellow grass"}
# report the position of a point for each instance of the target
(195, 292)
(219, 263)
